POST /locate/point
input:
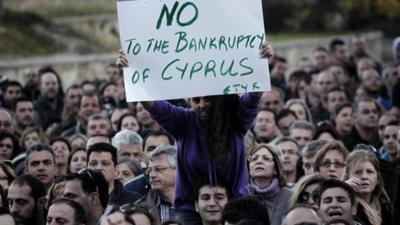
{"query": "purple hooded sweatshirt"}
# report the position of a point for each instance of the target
(193, 161)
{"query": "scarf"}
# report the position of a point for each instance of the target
(269, 192)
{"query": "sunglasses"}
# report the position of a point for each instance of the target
(305, 196)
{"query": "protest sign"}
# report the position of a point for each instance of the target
(180, 49)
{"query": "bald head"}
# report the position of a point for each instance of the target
(301, 215)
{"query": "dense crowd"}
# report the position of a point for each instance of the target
(322, 147)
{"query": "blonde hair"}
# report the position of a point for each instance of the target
(330, 145)
(302, 184)
(277, 163)
(301, 102)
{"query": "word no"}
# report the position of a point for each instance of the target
(170, 14)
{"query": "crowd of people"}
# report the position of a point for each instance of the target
(322, 147)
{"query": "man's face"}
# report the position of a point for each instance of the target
(6, 124)
(364, 65)
(73, 190)
(279, 69)
(12, 93)
(264, 125)
(325, 82)
(210, 203)
(113, 73)
(153, 142)
(41, 165)
(98, 127)
(285, 123)
(49, 85)
(161, 175)
(61, 214)
(321, 59)
(367, 115)
(308, 165)
(73, 98)
(335, 204)
(301, 215)
(302, 136)
(272, 100)
(21, 203)
(335, 98)
(24, 113)
(383, 121)
(289, 155)
(371, 80)
(89, 106)
(390, 139)
(131, 151)
(102, 162)
(340, 53)
(31, 78)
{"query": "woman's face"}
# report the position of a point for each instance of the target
(6, 148)
(124, 174)
(262, 164)
(3, 179)
(31, 139)
(78, 162)
(78, 143)
(368, 175)
(111, 91)
(310, 195)
(344, 121)
(299, 110)
(333, 165)
(130, 123)
(62, 152)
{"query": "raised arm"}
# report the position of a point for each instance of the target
(122, 61)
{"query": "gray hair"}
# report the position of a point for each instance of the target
(301, 124)
(126, 137)
(168, 150)
(311, 149)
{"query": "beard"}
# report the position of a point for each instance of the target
(36, 218)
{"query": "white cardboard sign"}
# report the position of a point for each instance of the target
(182, 48)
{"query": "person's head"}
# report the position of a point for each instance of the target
(129, 145)
(50, 85)
(97, 139)
(7, 175)
(31, 78)
(9, 146)
(273, 100)
(306, 191)
(341, 73)
(32, 136)
(162, 168)
(321, 58)
(127, 170)
(364, 165)
(210, 201)
(40, 162)
(326, 131)
(64, 211)
(309, 154)
(77, 141)
(338, 50)
(143, 116)
(88, 188)
(156, 138)
(302, 132)
(245, 209)
(300, 108)
(89, 104)
(337, 201)
(113, 72)
(138, 214)
(128, 121)
(110, 90)
(72, 98)
(383, 121)
(201, 106)
(358, 46)
(330, 161)
(6, 122)
(301, 214)
(364, 64)
(102, 157)
(366, 114)
(343, 118)
(390, 76)
(335, 97)
(23, 112)
(289, 154)
(371, 81)
(326, 80)
(27, 199)
(265, 128)
(77, 160)
(98, 125)
(12, 91)
(284, 119)
(279, 67)
(390, 138)
(6, 217)
(264, 163)
(116, 117)
(62, 150)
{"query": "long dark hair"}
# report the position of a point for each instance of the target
(223, 123)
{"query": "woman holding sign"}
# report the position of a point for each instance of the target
(209, 141)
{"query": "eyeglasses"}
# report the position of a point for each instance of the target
(156, 169)
(254, 158)
(336, 164)
(305, 196)
(5, 145)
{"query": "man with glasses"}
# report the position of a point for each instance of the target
(89, 189)
(102, 157)
(161, 173)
